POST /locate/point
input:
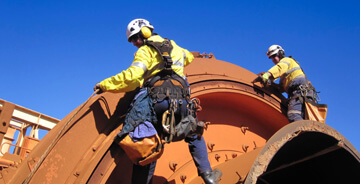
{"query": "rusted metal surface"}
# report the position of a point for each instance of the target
(306, 152)
(5, 117)
(82, 145)
(241, 117)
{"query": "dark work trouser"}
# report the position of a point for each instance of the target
(197, 148)
(296, 107)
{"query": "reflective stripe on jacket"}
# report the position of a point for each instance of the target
(287, 69)
(147, 62)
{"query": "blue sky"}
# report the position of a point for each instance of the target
(53, 52)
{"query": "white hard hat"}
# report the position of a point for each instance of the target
(275, 50)
(135, 26)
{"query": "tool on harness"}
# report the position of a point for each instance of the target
(307, 90)
(187, 126)
(313, 110)
(168, 85)
(308, 96)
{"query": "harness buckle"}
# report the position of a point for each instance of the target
(303, 88)
(173, 105)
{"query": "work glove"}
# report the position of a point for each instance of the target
(258, 78)
(97, 87)
(265, 77)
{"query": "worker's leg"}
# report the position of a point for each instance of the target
(143, 174)
(295, 110)
(199, 153)
(295, 106)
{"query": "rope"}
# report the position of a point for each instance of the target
(172, 126)
(57, 138)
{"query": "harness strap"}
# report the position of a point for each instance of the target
(168, 85)
(164, 49)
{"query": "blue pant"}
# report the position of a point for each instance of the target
(198, 150)
(296, 108)
(199, 154)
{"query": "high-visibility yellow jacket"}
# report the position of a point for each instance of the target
(287, 69)
(147, 63)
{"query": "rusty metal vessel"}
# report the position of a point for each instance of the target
(248, 137)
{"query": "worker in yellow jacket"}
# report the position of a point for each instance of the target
(292, 81)
(147, 63)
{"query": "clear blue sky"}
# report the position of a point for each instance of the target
(53, 52)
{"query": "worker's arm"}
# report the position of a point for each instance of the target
(189, 57)
(279, 69)
(130, 78)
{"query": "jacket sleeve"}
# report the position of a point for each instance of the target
(182, 54)
(279, 69)
(189, 57)
(130, 78)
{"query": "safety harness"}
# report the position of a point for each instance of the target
(168, 85)
(305, 88)
(165, 85)
(309, 97)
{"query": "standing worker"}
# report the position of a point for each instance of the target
(292, 81)
(155, 58)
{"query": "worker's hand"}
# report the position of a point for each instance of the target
(258, 78)
(98, 88)
(265, 77)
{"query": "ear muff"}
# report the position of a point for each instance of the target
(145, 32)
(281, 53)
